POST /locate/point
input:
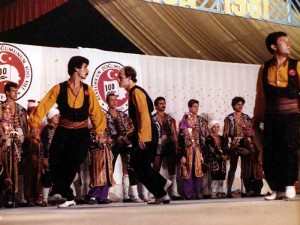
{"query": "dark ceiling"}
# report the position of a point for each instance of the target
(74, 24)
(6, 2)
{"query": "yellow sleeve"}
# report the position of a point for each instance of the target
(143, 116)
(96, 113)
(43, 107)
(260, 99)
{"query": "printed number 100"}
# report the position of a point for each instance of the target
(109, 87)
(257, 9)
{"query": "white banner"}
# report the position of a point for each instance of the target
(36, 69)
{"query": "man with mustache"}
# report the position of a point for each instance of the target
(19, 119)
(232, 133)
(77, 102)
(167, 143)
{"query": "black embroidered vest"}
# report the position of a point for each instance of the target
(66, 111)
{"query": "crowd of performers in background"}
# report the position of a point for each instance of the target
(192, 152)
(39, 164)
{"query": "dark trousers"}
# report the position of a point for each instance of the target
(253, 185)
(151, 179)
(280, 150)
(231, 173)
(170, 160)
(68, 150)
(125, 158)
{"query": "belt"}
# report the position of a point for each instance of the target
(66, 123)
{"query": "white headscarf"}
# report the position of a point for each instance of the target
(212, 123)
(52, 112)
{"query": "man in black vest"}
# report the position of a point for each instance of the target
(140, 108)
(76, 102)
(277, 106)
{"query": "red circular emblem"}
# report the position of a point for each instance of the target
(292, 72)
(15, 67)
(105, 80)
(87, 92)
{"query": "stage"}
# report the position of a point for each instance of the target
(242, 211)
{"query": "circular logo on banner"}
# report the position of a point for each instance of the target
(15, 67)
(104, 81)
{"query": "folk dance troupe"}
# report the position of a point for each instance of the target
(38, 163)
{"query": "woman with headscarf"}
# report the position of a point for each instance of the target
(190, 157)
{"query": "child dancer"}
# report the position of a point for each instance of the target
(251, 163)
(101, 170)
(217, 148)
(46, 138)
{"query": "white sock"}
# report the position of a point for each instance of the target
(145, 191)
(125, 186)
(174, 185)
(45, 193)
(134, 191)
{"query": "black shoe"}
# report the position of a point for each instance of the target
(30, 204)
(199, 197)
(221, 195)
(260, 195)
(229, 195)
(44, 204)
(105, 201)
(92, 201)
(10, 205)
(206, 196)
(38, 203)
(56, 199)
(190, 197)
(23, 204)
(251, 194)
(127, 200)
(244, 195)
(177, 198)
(164, 200)
(80, 200)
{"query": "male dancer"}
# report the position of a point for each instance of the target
(120, 129)
(19, 119)
(201, 125)
(76, 102)
(167, 143)
(277, 106)
(233, 124)
(140, 108)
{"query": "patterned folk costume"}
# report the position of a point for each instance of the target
(10, 156)
(101, 169)
(189, 148)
